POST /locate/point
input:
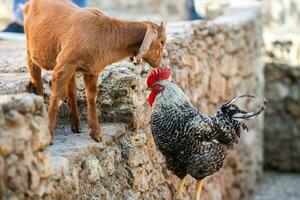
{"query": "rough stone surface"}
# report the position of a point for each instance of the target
(24, 162)
(282, 119)
(212, 61)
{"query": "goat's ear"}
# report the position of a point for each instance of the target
(151, 34)
(162, 25)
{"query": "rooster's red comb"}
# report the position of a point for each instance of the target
(158, 75)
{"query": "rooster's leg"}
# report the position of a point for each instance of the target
(199, 189)
(180, 189)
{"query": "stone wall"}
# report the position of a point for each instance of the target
(211, 60)
(24, 137)
(282, 72)
(282, 119)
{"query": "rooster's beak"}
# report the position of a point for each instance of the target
(148, 89)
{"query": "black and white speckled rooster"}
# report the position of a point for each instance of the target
(192, 143)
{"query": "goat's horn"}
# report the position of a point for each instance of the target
(150, 35)
(252, 115)
(162, 24)
(236, 98)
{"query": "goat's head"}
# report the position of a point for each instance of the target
(151, 49)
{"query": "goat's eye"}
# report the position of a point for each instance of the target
(162, 42)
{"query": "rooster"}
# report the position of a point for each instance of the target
(192, 143)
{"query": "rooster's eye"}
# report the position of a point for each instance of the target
(157, 88)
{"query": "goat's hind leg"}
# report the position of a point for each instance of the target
(62, 74)
(72, 102)
(91, 90)
(36, 84)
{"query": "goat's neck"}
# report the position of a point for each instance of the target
(124, 41)
(133, 35)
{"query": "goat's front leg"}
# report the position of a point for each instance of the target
(36, 84)
(72, 102)
(91, 90)
(60, 78)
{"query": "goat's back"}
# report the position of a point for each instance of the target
(56, 25)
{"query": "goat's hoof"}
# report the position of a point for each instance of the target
(51, 131)
(52, 140)
(76, 128)
(96, 136)
(30, 87)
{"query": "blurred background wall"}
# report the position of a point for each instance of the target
(276, 12)
(282, 12)
(146, 9)
(5, 12)
(129, 9)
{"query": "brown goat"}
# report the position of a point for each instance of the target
(64, 38)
